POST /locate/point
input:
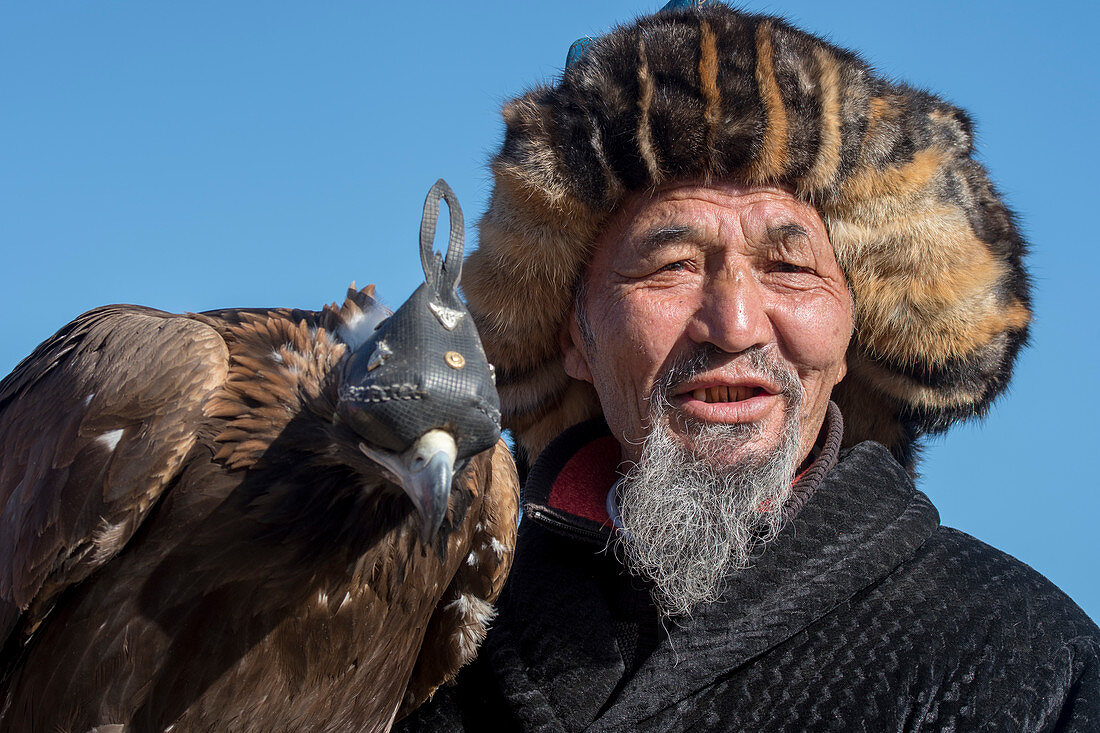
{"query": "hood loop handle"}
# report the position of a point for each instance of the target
(440, 273)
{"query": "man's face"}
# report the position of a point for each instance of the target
(737, 272)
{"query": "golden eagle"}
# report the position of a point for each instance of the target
(245, 520)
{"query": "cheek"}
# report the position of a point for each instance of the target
(815, 335)
(636, 333)
(649, 326)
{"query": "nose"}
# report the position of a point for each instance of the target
(733, 312)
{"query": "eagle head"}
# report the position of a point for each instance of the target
(421, 393)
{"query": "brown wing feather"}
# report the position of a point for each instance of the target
(460, 621)
(93, 426)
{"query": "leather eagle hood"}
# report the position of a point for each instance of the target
(703, 92)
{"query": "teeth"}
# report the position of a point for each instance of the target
(723, 394)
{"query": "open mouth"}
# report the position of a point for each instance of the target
(726, 394)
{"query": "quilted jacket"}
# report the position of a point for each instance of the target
(864, 614)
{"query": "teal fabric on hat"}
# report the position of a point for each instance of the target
(576, 51)
(681, 4)
(580, 46)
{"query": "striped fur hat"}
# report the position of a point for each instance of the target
(932, 255)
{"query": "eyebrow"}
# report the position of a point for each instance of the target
(660, 236)
(787, 231)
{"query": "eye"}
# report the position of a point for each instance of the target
(790, 268)
(674, 266)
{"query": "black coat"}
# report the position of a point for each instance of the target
(864, 614)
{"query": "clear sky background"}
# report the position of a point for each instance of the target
(198, 155)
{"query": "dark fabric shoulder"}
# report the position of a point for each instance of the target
(977, 575)
(993, 620)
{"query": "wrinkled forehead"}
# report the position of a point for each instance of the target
(758, 212)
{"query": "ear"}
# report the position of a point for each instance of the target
(842, 371)
(573, 356)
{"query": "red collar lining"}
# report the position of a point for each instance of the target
(582, 484)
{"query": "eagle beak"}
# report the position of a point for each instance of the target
(425, 472)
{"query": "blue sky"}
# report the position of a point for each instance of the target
(198, 155)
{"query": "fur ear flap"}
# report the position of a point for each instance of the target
(708, 93)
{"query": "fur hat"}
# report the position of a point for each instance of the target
(932, 254)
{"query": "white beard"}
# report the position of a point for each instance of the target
(689, 517)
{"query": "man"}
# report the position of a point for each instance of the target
(729, 278)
